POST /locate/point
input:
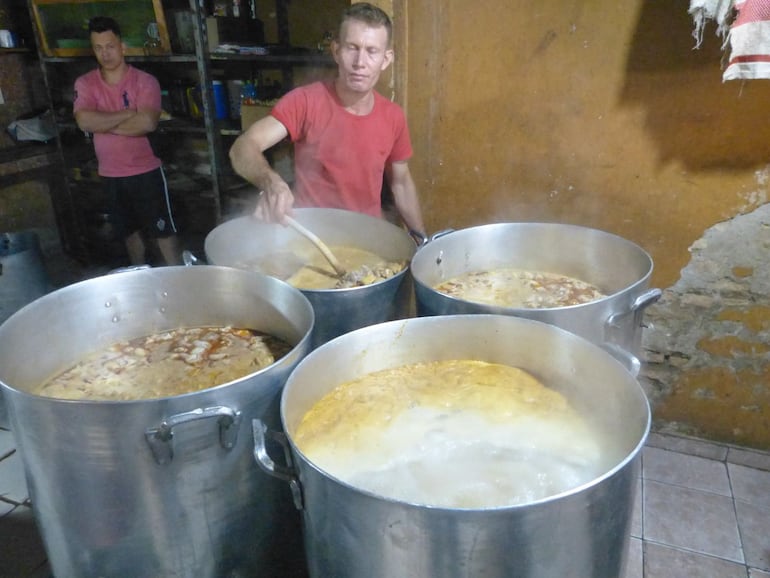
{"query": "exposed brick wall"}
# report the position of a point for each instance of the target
(708, 340)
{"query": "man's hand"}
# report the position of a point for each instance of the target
(275, 202)
(248, 160)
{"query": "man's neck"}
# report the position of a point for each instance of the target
(355, 102)
(115, 75)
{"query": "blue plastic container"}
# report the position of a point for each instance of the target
(221, 104)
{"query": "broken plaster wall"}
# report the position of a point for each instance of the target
(601, 114)
(707, 341)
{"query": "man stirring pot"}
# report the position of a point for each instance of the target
(346, 136)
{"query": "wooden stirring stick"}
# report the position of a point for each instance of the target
(319, 244)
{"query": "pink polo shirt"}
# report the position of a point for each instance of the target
(118, 155)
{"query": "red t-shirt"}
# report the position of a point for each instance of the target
(340, 157)
(118, 155)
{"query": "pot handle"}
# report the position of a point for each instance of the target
(418, 237)
(189, 259)
(615, 321)
(161, 439)
(614, 324)
(421, 240)
(266, 463)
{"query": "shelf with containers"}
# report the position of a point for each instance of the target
(239, 75)
(264, 56)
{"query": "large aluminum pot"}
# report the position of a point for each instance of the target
(161, 487)
(620, 268)
(244, 241)
(580, 533)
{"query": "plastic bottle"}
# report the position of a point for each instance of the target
(220, 100)
(249, 93)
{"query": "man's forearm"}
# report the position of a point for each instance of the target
(250, 163)
(408, 207)
(140, 124)
(102, 122)
(405, 197)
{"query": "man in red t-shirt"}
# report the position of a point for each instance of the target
(346, 136)
(120, 105)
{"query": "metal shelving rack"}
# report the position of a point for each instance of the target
(73, 237)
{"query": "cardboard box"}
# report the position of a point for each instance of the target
(237, 31)
(251, 113)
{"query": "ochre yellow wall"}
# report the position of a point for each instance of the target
(600, 113)
(308, 20)
(594, 113)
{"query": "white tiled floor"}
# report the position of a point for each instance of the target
(702, 511)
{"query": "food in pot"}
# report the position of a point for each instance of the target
(311, 270)
(455, 433)
(167, 364)
(520, 288)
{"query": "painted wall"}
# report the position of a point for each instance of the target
(601, 113)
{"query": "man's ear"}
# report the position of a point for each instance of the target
(388, 59)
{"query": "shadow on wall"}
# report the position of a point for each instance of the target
(691, 114)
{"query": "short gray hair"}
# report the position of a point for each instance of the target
(368, 14)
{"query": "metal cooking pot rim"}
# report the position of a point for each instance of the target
(165, 274)
(503, 309)
(358, 287)
(446, 242)
(218, 252)
(130, 402)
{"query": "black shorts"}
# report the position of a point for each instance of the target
(141, 203)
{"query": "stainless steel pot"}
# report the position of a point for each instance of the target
(580, 533)
(245, 240)
(617, 266)
(161, 487)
